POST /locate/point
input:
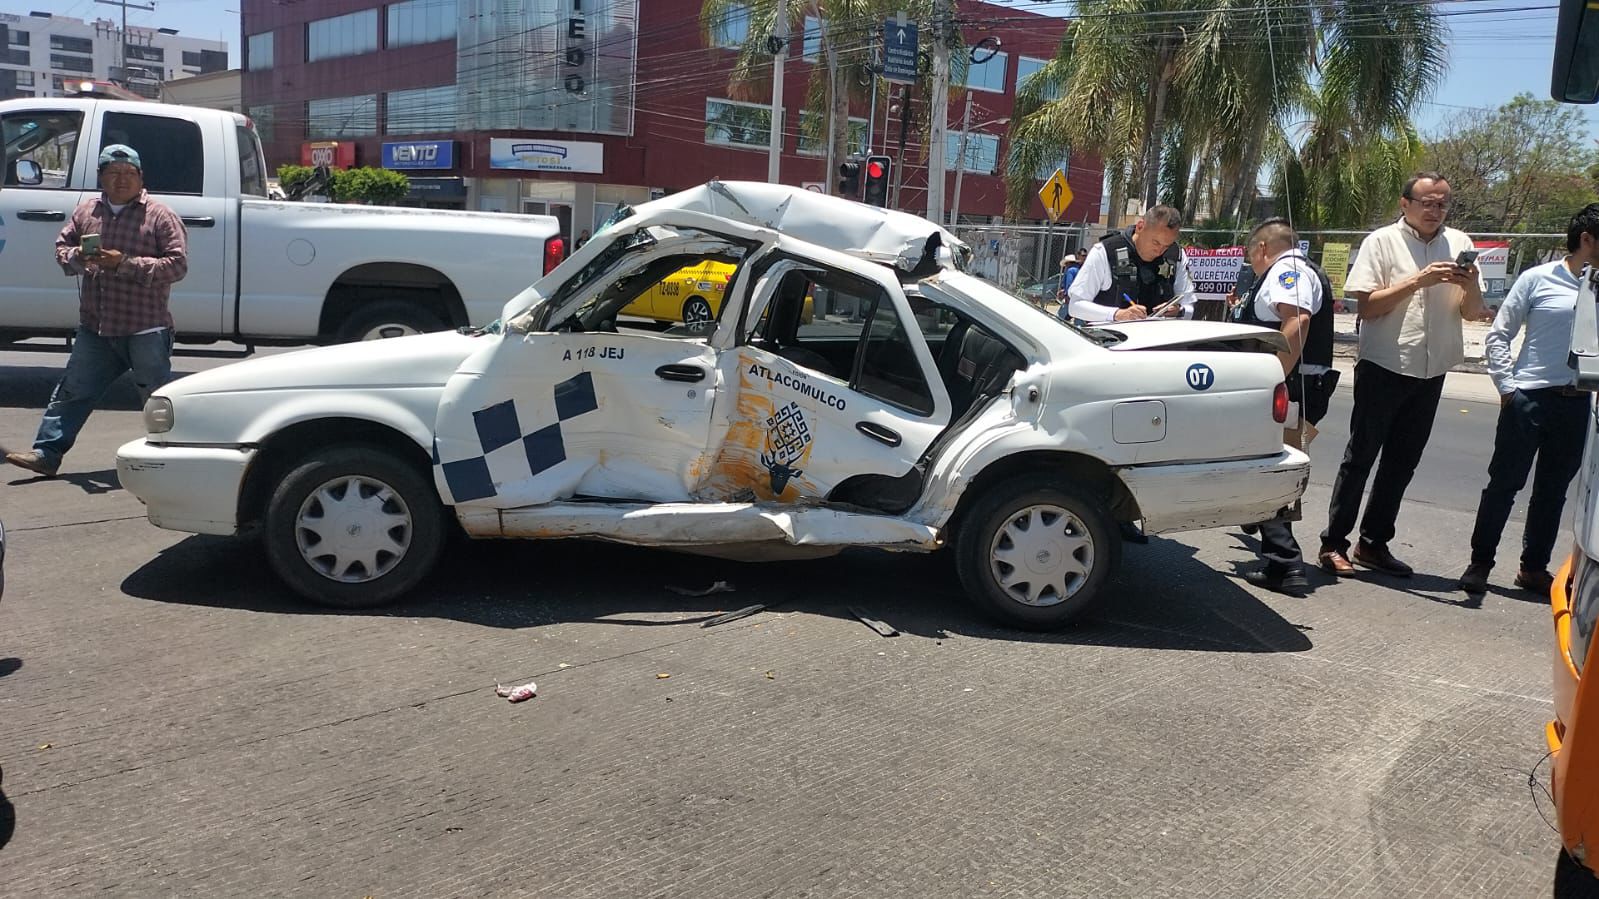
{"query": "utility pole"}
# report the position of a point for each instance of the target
(779, 48)
(960, 163)
(904, 125)
(940, 111)
(122, 38)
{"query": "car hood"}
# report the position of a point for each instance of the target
(1158, 334)
(423, 360)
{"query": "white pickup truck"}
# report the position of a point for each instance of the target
(260, 271)
(932, 410)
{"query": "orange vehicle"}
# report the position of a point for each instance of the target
(1573, 735)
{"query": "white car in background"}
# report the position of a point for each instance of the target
(924, 408)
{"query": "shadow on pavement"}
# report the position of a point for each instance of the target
(10, 666)
(1161, 599)
(8, 819)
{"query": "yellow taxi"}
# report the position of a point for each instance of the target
(692, 295)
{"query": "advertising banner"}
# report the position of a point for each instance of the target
(538, 155)
(1214, 272)
(1335, 262)
(1493, 260)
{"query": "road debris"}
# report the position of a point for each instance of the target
(718, 587)
(882, 627)
(771, 676)
(735, 615)
(662, 676)
(517, 694)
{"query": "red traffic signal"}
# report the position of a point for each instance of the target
(877, 170)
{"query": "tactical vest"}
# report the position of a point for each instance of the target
(1146, 283)
(1319, 337)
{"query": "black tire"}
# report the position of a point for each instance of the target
(406, 552)
(389, 318)
(1012, 508)
(697, 311)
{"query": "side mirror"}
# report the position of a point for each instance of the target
(29, 174)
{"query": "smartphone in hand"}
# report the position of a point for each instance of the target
(1466, 257)
(90, 244)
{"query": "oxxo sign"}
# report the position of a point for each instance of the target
(576, 32)
(423, 154)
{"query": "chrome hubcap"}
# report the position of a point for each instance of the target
(697, 313)
(393, 329)
(353, 529)
(1042, 556)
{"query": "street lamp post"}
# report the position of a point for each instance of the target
(960, 159)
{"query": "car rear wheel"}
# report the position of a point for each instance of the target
(388, 319)
(696, 311)
(354, 527)
(1035, 553)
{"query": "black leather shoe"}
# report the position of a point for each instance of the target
(1378, 558)
(1289, 583)
(1475, 580)
(1539, 582)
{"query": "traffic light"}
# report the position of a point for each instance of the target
(877, 171)
(849, 179)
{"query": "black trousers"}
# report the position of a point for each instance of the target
(1278, 548)
(1551, 425)
(1392, 417)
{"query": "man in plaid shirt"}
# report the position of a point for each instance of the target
(127, 250)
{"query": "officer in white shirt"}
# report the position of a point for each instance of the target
(1135, 274)
(1290, 293)
(1541, 412)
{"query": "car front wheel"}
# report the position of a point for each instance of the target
(354, 527)
(696, 311)
(1036, 553)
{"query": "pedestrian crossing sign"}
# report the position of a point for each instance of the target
(1057, 195)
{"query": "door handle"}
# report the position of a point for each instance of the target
(686, 373)
(879, 433)
(199, 221)
(42, 215)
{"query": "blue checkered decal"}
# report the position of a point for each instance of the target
(500, 426)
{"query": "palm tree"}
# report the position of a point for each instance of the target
(1218, 85)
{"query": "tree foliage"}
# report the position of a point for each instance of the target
(376, 187)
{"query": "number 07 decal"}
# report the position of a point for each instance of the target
(1200, 377)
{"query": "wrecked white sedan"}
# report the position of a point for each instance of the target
(918, 408)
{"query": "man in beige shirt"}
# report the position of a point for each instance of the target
(1413, 296)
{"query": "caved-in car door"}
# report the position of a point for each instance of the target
(836, 408)
(591, 407)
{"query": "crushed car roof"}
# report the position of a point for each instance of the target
(907, 242)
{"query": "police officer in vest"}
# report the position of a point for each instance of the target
(1135, 274)
(1290, 294)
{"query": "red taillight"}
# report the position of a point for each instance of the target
(554, 252)
(1279, 404)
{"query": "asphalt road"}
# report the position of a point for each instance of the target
(173, 721)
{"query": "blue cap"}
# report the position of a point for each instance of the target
(120, 153)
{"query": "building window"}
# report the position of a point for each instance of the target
(982, 152)
(1027, 67)
(144, 54)
(1046, 172)
(989, 75)
(733, 30)
(421, 111)
(421, 22)
(258, 51)
(342, 117)
(349, 35)
(24, 79)
(71, 44)
(19, 38)
(14, 57)
(71, 63)
(264, 118)
(812, 47)
(737, 124)
(813, 123)
(191, 59)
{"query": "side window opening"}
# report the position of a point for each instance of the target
(252, 168)
(48, 139)
(171, 150)
(888, 368)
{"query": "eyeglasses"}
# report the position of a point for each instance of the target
(1431, 205)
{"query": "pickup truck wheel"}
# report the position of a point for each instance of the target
(354, 527)
(388, 319)
(1036, 554)
(696, 311)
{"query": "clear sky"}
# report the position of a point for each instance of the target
(1497, 49)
